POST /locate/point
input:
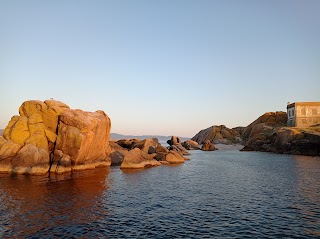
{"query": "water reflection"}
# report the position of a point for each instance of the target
(225, 193)
(34, 205)
(308, 188)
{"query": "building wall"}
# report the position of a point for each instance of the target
(307, 115)
(291, 117)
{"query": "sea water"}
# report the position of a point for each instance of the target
(224, 193)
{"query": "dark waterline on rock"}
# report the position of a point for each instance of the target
(223, 193)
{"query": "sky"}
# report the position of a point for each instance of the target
(165, 67)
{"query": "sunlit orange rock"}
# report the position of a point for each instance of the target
(136, 158)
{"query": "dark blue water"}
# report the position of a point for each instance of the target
(226, 194)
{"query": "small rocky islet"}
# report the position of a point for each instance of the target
(49, 137)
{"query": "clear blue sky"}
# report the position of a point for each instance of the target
(161, 67)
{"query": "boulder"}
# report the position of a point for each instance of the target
(174, 157)
(84, 136)
(146, 145)
(208, 146)
(136, 158)
(28, 159)
(117, 154)
(218, 135)
(161, 149)
(117, 158)
(160, 156)
(127, 143)
(31, 160)
(179, 148)
(191, 145)
(75, 139)
(174, 140)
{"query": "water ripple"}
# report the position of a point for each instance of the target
(226, 194)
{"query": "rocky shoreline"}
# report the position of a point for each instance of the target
(49, 137)
(268, 133)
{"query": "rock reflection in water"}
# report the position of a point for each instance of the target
(37, 205)
(220, 194)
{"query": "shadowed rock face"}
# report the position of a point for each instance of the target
(49, 135)
(269, 133)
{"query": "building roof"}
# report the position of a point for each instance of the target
(303, 104)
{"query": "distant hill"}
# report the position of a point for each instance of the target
(162, 138)
(1, 132)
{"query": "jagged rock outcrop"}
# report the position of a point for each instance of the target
(174, 140)
(125, 150)
(265, 122)
(269, 133)
(175, 145)
(50, 136)
(191, 145)
(137, 158)
(218, 135)
(145, 145)
(208, 146)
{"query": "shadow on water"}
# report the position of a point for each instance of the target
(38, 205)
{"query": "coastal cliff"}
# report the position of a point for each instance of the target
(269, 133)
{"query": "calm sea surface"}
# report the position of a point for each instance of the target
(225, 194)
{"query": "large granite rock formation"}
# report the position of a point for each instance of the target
(84, 136)
(137, 158)
(270, 133)
(49, 135)
(218, 135)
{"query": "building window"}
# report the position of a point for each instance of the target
(289, 113)
(293, 112)
(314, 111)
